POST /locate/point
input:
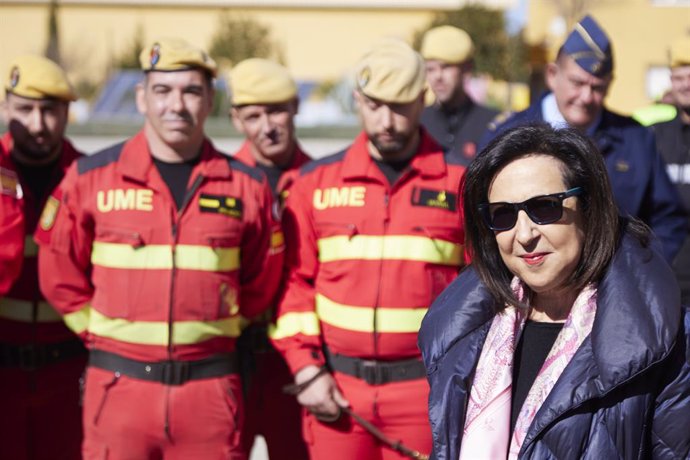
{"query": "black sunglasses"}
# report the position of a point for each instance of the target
(543, 209)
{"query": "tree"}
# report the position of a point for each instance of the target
(496, 52)
(239, 37)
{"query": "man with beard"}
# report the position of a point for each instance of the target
(264, 105)
(673, 141)
(454, 120)
(41, 360)
(373, 235)
(579, 81)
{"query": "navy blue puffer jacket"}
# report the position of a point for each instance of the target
(626, 392)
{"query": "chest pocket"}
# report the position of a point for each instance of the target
(127, 272)
(212, 274)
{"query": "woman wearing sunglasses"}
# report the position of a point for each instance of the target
(565, 338)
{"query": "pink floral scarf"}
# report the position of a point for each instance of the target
(487, 423)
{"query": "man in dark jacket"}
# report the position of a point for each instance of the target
(673, 141)
(579, 81)
(454, 120)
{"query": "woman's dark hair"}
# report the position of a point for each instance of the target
(583, 167)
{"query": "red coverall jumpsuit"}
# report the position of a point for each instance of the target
(158, 293)
(365, 260)
(269, 411)
(41, 360)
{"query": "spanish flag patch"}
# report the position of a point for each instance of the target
(9, 183)
(49, 212)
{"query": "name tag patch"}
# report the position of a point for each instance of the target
(226, 205)
(441, 199)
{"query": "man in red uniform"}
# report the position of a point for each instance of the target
(41, 360)
(159, 246)
(373, 235)
(264, 105)
(11, 226)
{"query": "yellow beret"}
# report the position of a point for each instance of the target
(260, 81)
(391, 71)
(171, 54)
(37, 77)
(680, 52)
(448, 44)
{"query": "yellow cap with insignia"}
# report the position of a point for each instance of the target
(37, 77)
(175, 54)
(391, 71)
(680, 52)
(261, 81)
(447, 44)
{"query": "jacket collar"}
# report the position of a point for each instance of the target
(136, 160)
(428, 161)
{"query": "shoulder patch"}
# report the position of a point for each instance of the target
(49, 212)
(99, 159)
(314, 164)
(499, 119)
(254, 173)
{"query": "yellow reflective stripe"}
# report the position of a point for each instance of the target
(207, 258)
(78, 321)
(389, 247)
(209, 203)
(361, 319)
(159, 256)
(156, 332)
(22, 310)
(30, 246)
(277, 239)
(293, 323)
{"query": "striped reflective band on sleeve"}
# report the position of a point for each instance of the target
(389, 247)
(22, 310)
(159, 256)
(30, 246)
(78, 321)
(293, 323)
(361, 319)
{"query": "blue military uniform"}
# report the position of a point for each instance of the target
(641, 186)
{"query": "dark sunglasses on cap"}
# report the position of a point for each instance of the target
(543, 209)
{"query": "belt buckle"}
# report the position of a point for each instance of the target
(372, 372)
(175, 372)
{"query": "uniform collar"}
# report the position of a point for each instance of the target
(428, 161)
(553, 116)
(136, 160)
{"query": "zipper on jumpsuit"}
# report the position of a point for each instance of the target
(176, 220)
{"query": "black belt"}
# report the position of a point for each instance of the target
(37, 355)
(377, 372)
(254, 339)
(166, 372)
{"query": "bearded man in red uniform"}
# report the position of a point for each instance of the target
(264, 105)
(41, 360)
(373, 235)
(160, 246)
